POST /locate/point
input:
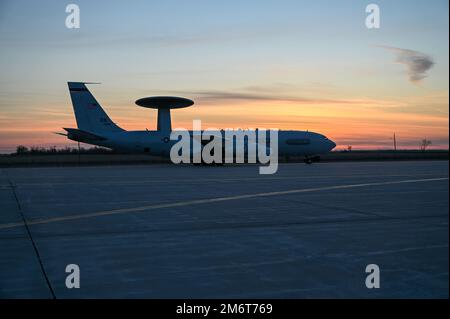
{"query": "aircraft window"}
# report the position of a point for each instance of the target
(298, 141)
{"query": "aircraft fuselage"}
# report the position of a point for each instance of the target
(290, 143)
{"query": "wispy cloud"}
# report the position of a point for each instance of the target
(81, 40)
(249, 96)
(417, 63)
(258, 94)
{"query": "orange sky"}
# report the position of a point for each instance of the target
(364, 124)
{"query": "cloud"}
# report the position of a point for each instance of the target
(257, 94)
(417, 63)
(81, 40)
(277, 92)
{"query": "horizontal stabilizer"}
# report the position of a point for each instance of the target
(58, 133)
(82, 136)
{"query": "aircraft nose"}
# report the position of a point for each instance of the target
(332, 144)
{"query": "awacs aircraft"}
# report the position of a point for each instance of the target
(96, 128)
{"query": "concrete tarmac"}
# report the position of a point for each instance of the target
(166, 231)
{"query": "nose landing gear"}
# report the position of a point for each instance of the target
(309, 160)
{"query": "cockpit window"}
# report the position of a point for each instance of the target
(298, 141)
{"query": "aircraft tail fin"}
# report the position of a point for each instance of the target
(89, 114)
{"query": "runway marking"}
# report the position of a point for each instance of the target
(212, 200)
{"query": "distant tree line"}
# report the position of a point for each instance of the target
(23, 150)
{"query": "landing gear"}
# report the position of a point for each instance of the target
(309, 160)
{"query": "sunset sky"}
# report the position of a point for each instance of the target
(302, 65)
